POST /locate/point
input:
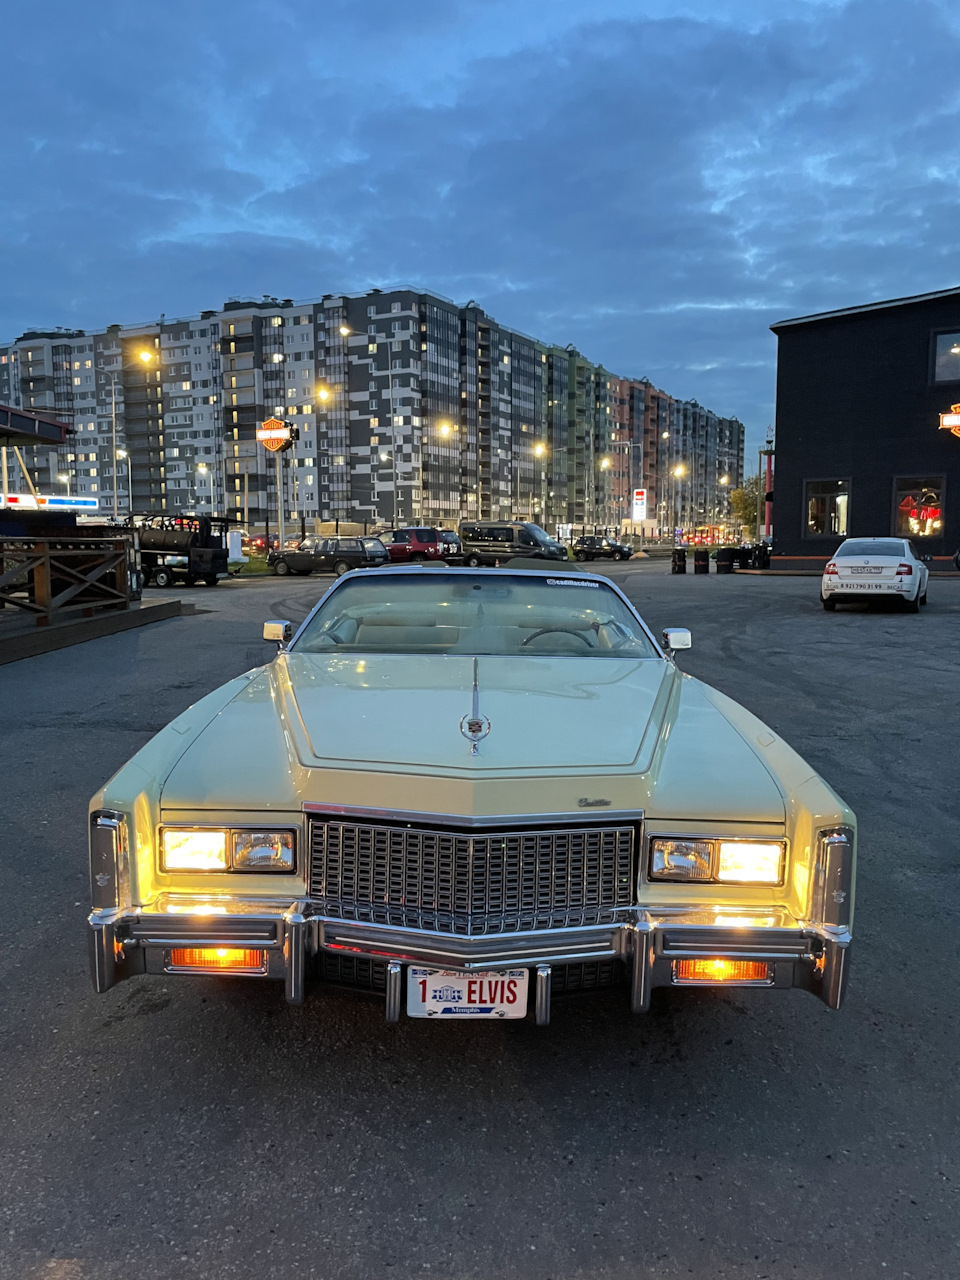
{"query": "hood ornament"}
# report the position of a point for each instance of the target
(475, 727)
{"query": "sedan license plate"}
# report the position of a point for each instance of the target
(870, 568)
(444, 993)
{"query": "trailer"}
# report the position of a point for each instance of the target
(182, 550)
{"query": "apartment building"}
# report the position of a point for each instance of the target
(408, 408)
(700, 459)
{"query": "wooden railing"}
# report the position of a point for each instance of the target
(48, 577)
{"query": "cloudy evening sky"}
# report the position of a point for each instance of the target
(653, 180)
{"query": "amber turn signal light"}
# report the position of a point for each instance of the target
(719, 970)
(218, 959)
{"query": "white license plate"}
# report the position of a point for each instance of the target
(870, 568)
(444, 993)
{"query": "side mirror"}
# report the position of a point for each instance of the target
(279, 630)
(676, 638)
(927, 559)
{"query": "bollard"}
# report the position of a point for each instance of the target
(701, 560)
(725, 560)
(678, 560)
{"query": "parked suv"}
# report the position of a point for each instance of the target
(593, 547)
(485, 542)
(417, 543)
(336, 555)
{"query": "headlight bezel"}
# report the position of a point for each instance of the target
(715, 878)
(231, 835)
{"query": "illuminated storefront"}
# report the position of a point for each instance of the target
(864, 443)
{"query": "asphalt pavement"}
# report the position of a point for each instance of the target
(200, 1128)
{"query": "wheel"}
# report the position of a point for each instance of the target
(580, 555)
(923, 598)
(473, 562)
(163, 577)
(211, 580)
(281, 568)
(912, 606)
(341, 567)
(828, 604)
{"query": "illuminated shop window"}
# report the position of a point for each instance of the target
(946, 357)
(826, 503)
(918, 506)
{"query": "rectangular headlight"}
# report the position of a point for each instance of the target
(194, 850)
(681, 859)
(263, 851)
(726, 861)
(750, 862)
(185, 849)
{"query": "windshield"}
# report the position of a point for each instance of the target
(374, 545)
(505, 614)
(872, 547)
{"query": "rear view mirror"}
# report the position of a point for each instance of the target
(279, 630)
(676, 638)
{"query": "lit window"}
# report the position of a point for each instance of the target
(919, 507)
(827, 504)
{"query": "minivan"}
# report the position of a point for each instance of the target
(485, 542)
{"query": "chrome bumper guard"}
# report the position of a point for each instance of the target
(813, 957)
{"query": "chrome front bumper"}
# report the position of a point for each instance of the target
(798, 954)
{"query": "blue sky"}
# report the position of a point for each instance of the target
(655, 182)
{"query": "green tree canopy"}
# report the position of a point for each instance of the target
(743, 504)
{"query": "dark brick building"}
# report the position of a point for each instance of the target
(860, 451)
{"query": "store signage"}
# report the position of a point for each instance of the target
(274, 435)
(639, 504)
(951, 421)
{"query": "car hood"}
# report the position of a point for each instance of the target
(384, 731)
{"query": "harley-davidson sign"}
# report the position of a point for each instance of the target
(951, 421)
(274, 434)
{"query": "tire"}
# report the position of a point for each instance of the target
(281, 568)
(163, 577)
(341, 567)
(189, 581)
(912, 606)
(828, 604)
(580, 555)
(211, 581)
(923, 598)
(473, 562)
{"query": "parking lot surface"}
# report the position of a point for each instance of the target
(202, 1129)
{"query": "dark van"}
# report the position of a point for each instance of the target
(485, 542)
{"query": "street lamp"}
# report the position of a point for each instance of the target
(64, 478)
(122, 453)
(445, 428)
(540, 451)
(678, 471)
(203, 470)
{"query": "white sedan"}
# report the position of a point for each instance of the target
(875, 568)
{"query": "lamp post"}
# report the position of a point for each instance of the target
(204, 470)
(540, 451)
(122, 453)
(602, 466)
(676, 508)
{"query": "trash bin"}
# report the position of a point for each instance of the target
(678, 560)
(725, 560)
(701, 560)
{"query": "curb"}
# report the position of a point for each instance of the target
(32, 643)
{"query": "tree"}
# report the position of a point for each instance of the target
(743, 504)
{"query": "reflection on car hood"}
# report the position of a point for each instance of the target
(543, 712)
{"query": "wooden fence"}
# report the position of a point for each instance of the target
(49, 577)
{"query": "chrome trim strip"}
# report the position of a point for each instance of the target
(294, 955)
(543, 990)
(394, 990)
(640, 970)
(576, 817)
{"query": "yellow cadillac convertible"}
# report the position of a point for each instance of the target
(476, 791)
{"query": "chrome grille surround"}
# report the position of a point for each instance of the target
(471, 882)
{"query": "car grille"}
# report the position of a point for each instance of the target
(468, 883)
